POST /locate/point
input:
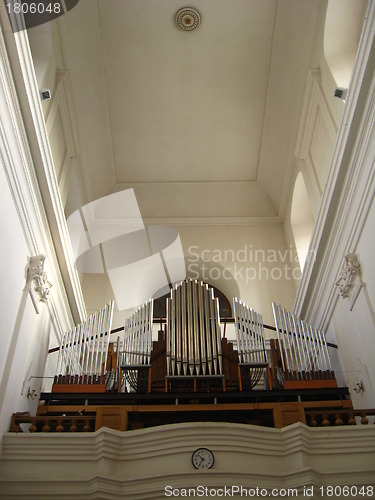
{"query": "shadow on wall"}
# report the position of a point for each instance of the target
(302, 219)
(342, 31)
(216, 275)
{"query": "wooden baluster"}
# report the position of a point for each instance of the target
(313, 421)
(339, 420)
(73, 426)
(33, 427)
(46, 427)
(59, 426)
(364, 419)
(351, 419)
(87, 426)
(325, 421)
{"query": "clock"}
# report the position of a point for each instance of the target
(203, 458)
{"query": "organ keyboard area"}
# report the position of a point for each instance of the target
(192, 353)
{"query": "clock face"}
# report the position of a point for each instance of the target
(203, 458)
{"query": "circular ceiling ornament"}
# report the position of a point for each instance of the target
(188, 19)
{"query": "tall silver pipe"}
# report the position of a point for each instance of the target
(184, 330)
(190, 329)
(291, 357)
(197, 349)
(98, 342)
(213, 330)
(314, 346)
(105, 331)
(178, 331)
(296, 346)
(300, 341)
(329, 366)
(280, 336)
(173, 330)
(309, 345)
(168, 337)
(207, 330)
(109, 328)
(60, 360)
(218, 335)
(71, 350)
(150, 325)
(202, 328)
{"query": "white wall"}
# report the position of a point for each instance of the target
(25, 331)
(345, 225)
(253, 263)
(355, 327)
(24, 334)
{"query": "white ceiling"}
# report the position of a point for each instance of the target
(200, 124)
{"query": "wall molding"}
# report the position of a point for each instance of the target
(39, 167)
(315, 105)
(214, 221)
(139, 464)
(349, 190)
(18, 165)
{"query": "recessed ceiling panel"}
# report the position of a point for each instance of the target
(186, 106)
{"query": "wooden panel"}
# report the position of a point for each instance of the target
(115, 417)
(70, 388)
(230, 365)
(310, 384)
(288, 413)
(329, 405)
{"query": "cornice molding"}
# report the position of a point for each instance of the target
(214, 221)
(146, 460)
(349, 190)
(42, 159)
(19, 164)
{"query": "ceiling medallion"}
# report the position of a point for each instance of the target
(188, 19)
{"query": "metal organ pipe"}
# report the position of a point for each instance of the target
(250, 342)
(136, 347)
(303, 349)
(84, 348)
(193, 334)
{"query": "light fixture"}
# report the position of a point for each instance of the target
(188, 19)
(341, 93)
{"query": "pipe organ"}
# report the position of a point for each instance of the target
(303, 351)
(193, 337)
(135, 350)
(83, 353)
(250, 341)
(191, 353)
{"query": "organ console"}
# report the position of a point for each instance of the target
(191, 353)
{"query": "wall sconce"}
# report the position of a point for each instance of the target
(341, 93)
(349, 282)
(37, 283)
(31, 393)
(359, 387)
